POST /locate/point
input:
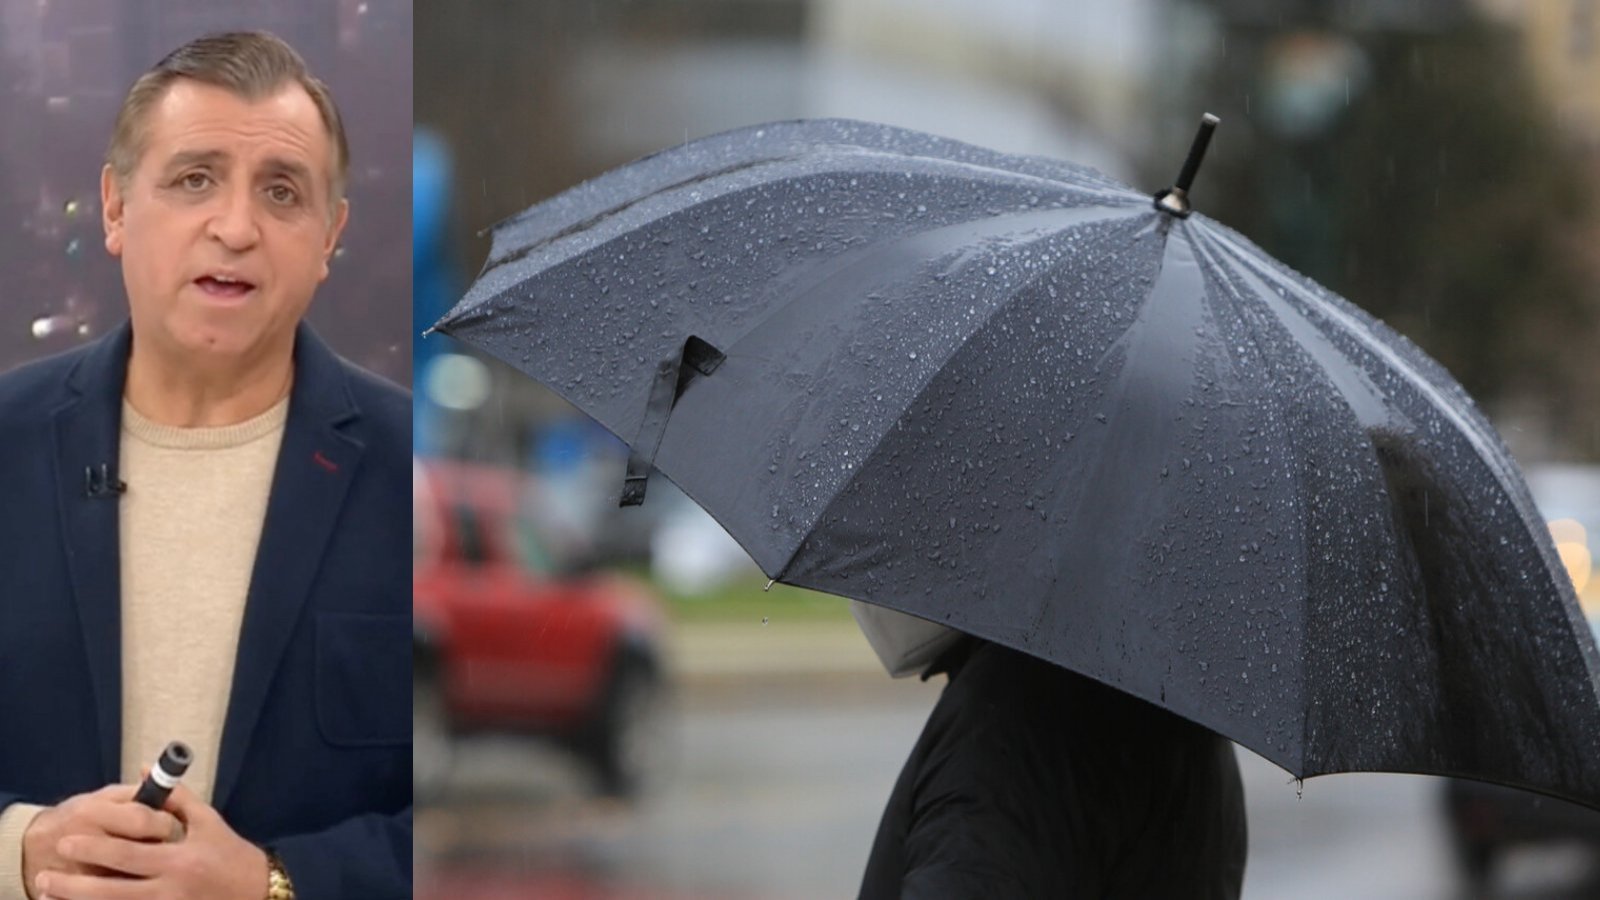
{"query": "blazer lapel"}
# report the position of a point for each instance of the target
(87, 436)
(315, 465)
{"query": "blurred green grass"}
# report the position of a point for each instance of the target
(744, 600)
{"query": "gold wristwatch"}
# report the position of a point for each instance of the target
(279, 887)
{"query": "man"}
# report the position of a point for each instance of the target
(204, 528)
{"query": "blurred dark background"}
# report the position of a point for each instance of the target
(65, 66)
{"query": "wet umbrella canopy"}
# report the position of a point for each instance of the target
(1012, 396)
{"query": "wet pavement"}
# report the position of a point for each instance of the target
(775, 788)
(773, 794)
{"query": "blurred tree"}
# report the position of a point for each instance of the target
(1417, 173)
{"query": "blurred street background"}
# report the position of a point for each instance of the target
(65, 66)
(621, 711)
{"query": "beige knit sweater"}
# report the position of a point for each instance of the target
(189, 527)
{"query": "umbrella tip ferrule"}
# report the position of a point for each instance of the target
(431, 330)
(1175, 200)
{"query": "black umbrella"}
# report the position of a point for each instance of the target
(1012, 396)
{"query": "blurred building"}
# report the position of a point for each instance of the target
(1092, 68)
(1026, 76)
(1562, 41)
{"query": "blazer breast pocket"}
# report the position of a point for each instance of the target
(364, 679)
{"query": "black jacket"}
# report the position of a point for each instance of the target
(1030, 781)
(316, 747)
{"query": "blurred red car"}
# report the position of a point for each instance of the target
(510, 638)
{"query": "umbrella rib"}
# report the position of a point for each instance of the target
(990, 175)
(595, 219)
(1112, 191)
(740, 138)
(1212, 257)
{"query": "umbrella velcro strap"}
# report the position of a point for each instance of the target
(673, 374)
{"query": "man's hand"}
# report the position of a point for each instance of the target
(108, 813)
(210, 863)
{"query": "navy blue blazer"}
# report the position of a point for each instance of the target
(316, 747)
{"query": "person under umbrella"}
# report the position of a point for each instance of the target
(1030, 780)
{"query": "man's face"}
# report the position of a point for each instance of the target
(226, 225)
